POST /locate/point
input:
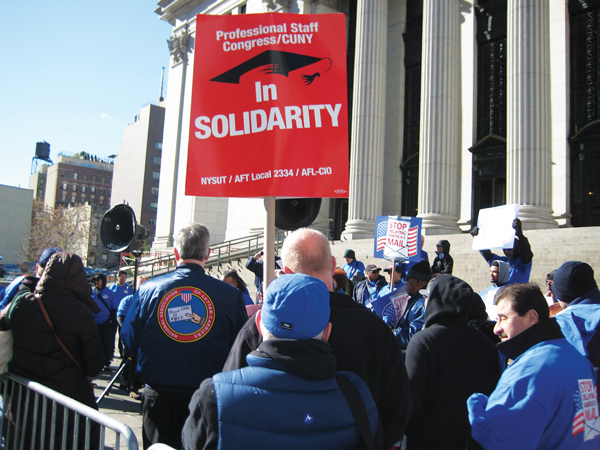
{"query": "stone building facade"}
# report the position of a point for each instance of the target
(455, 106)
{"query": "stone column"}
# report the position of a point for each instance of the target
(179, 45)
(528, 143)
(439, 137)
(368, 119)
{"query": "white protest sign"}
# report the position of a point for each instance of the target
(179, 313)
(495, 227)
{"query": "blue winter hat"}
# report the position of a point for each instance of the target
(46, 254)
(296, 307)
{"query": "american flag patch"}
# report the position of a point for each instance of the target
(413, 241)
(579, 420)
(381, 235)
(186, 296)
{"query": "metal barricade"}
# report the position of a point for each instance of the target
(33, 416)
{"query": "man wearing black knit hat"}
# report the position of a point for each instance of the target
(576, 290)
(413, 317)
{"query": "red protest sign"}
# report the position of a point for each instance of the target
(269, 113)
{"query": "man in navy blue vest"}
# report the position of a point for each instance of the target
(288, 397)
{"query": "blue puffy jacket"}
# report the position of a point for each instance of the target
(181, 327)
(272, 407)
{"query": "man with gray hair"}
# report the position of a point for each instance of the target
(360, 341)
(180, 327)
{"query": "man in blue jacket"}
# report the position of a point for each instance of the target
(180, 327)
(288, 397)
(547, 397)
(413, 317)
(106, 319)
(519, 257)
(366, 291)
(576, 290)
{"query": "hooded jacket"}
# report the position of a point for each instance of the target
(488, 294)
(105, 300)
(277, 402)
(447, 361)
(443, 261)
(580, 323)
(66, 294)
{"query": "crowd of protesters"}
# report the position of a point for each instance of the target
(326, 356)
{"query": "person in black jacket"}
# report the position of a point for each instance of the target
(443, 261)
(361, 342)
(447, 361)
(66, 295)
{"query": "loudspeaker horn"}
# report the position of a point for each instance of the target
(294, 213)
(119, 229)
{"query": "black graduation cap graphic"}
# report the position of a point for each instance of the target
(278, 62)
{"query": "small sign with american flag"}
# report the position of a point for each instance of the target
(390, 307)
(586, 418)
(397, 238)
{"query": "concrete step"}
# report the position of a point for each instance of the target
(550, 248)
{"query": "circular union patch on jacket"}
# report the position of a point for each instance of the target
(186, 314)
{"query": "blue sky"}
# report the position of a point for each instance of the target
(75, 73)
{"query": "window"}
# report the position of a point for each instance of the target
(74, 187)
(103, 180)
(154, 191)
(153, 205)
(102, 190)
(84, 177)
(83, 189)
(157, 160)
(156, 175)
(152, 221)
(94, 178)
(65, 186)
(63, 198)
(83, 199)
(158, 145)
(72, 199)
(74, 175)
(93, 190)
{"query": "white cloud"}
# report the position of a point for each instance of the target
(104, 116)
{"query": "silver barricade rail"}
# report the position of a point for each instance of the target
(18, 425)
